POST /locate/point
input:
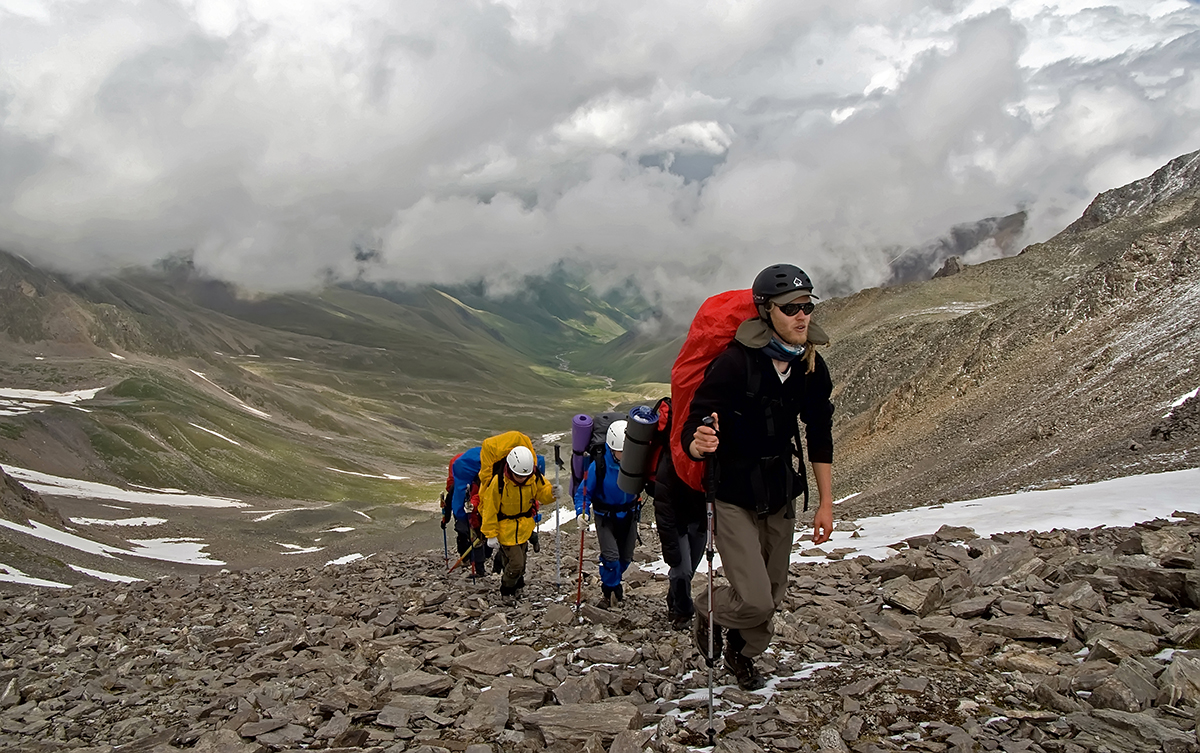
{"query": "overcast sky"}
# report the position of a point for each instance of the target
(680, 140)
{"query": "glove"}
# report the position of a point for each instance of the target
(533, 540)
(445, 520)
(493, 543)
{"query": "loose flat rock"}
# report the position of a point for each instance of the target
(575, 723)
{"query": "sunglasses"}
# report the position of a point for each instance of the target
(791, 309)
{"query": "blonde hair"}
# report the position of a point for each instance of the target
(810, 359)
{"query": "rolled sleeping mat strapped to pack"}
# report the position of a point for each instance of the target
(635, 459)
(581, 434)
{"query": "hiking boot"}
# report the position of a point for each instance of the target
(607, 598)
(740, 665)
(509, 600)
(701, 636)
(680, 621)
(618, 595)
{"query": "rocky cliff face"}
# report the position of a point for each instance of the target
(1179, 177)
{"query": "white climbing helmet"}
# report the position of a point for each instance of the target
(615, 439)
(520, 461)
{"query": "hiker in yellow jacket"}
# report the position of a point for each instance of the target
(509, 506)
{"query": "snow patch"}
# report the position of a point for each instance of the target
(112, 577)
(118, 521)
(44, 483)
(346, 560)
(10, 574)
(216, 434)
(385, 477)
(241, 404)
(182, 551)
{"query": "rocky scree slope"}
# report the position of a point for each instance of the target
(1063, 641)
(1051, 367)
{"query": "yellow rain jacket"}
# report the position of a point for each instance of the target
(507, 508)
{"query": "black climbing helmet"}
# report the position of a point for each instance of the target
(778, 279)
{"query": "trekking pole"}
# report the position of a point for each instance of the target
(710, 500)
(464, 555)
(445, 544)
(558, 464)
(579, 587)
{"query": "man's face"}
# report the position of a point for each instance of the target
(791, 329)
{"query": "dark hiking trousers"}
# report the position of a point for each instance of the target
(693, 539)
(462, 529)
(755, 555)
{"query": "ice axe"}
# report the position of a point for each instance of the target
(474, 543)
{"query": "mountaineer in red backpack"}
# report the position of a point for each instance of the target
(753, 390)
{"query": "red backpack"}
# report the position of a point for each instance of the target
(712, 330)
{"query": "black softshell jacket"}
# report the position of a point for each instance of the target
(745, 440)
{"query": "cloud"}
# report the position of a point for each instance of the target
(660, 141)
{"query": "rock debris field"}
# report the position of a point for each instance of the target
(1063, 641)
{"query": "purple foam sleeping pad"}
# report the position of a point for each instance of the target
(581, 434)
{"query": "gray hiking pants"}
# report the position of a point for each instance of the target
(754, 555)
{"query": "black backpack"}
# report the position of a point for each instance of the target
(595, 449)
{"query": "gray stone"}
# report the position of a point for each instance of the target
(1113, 694)
(1131, 642)
(398, 661)
(225, 741)
(609, 653)
(574, 724)
(1028, 663)
(1078, 594)
(1026, 629)
(497, 660)
(919, 597)
(955, 533)
(522, 691)
(1011, 565)
(1162, 542)
(973, 607)
(11, 695)
(1148, 729)
(1180, 682)
(736, 745)
(422, 683)
(490, 712)
(559, 614)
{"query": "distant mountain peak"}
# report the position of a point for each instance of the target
(1174, 179)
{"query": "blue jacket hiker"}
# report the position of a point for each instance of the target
(462, 485)
(615, 512)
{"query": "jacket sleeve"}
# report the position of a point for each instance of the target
(817, 414)
(583, 492)
(725, 378)
(545, 494)
(489, 508)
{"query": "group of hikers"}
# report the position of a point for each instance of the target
(728, 476)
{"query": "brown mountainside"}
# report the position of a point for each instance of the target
(1050, 367)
